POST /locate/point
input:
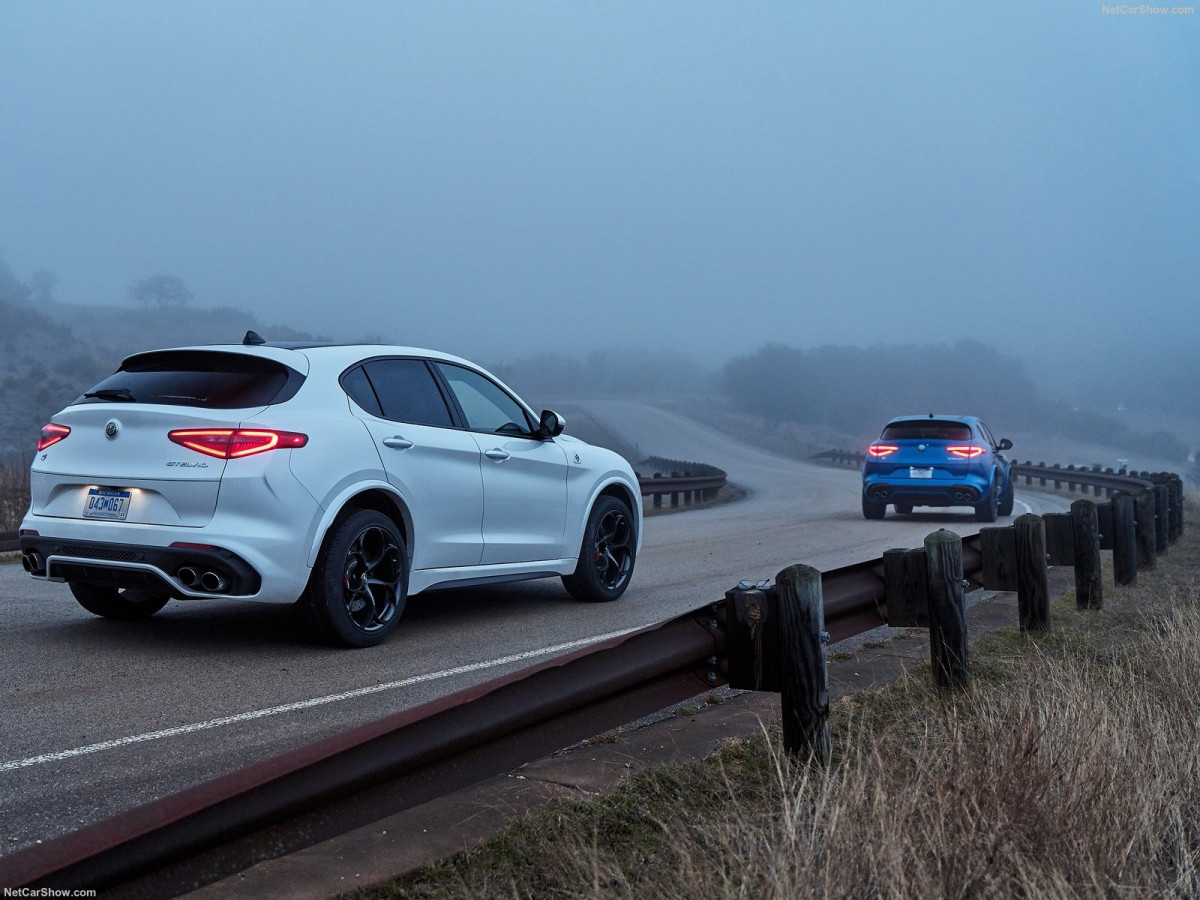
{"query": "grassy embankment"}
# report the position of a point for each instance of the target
(1071, 768)
(14, 492)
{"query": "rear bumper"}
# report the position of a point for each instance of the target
(959, 493)
(180, 571)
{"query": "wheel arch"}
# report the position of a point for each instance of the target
(623, 491)
(381, 498)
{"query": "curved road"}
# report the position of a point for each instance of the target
(100, 716)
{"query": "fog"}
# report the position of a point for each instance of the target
(506, 179)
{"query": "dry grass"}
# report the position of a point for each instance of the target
(14, 493)
(1070, 769)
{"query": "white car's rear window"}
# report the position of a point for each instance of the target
(208, 379)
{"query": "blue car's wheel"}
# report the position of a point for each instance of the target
(873, 510)
(1005, 506)
(988, 508)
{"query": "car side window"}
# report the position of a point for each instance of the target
(408, 392)
(987, 435)
(358, 386)
(485, 404)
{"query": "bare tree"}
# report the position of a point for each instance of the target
(162, 291)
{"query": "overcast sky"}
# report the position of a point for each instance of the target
(501, 178)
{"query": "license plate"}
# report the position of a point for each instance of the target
(920, 473)
(103, 503)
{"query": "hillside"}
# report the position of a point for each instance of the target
(53, 353)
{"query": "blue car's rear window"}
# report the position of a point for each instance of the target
(928, 430)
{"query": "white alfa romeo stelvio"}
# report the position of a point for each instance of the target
(342, 478)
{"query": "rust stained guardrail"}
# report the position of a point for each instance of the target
(314, 793)
(283, 804)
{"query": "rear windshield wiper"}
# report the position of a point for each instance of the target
(111, 394)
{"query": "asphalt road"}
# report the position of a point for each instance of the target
(100, 716)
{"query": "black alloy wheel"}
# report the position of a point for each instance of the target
(873, 510)
(1005, 506)
(607, 555)
(988, 508)
(360, 584)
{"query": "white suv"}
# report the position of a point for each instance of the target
(346, 478)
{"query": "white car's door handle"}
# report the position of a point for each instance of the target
(495, 453)
(397, 443)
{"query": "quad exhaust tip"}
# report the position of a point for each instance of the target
(33, 562)
(210, 580)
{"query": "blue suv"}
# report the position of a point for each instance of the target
(937, 461)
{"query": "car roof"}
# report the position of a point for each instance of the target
(299, 355)
(966, 420)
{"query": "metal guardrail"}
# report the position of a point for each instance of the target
(9, 541)
(1106, 481)
(687, 482)
(283, 804)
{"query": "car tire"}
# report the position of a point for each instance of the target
(126, 604)
(904, 509)
(873, 510)
(606, 556)
(988, 509)
(359, 584)
(1005, 506)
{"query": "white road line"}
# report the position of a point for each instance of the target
(303, 704)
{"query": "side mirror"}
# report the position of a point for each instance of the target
(1005, 444)
(552, 424)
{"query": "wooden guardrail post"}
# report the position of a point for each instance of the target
(907, 588)
(947, 609)
(1104, 523)
(752, 637)
(1162, 526)
(1033, 583)
(1178, 482)
(1175, 518)
(1143, 505)
(1124, 539)
(805, 679)
(1060, 540)
(998, 555)
(1089, 588)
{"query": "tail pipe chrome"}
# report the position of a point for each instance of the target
(214, 582)
(33, 562)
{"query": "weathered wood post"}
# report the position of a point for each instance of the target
(1143, 512)
(998, 552)
(947, 610)
(752, 637)
(805, 679)
(907, 588)
(1162, 526)
(1124, 539)
(1089, 588)
(1033, 583)
(1178, 482)
(1175, 484)
(1060, 541)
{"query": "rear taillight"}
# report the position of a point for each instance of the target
(965, 452)
(879, 451)
(52, 434)
(233, 443)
